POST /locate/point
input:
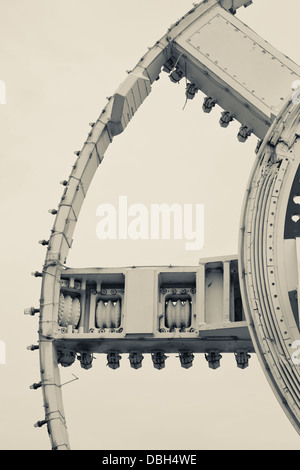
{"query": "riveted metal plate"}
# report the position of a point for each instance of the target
(238, 55)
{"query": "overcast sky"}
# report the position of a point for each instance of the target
(60, 60)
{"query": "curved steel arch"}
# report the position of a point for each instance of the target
(268, 254)
(111, 122)
(275, 170)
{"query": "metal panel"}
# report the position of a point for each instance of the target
(246, 60)
(143, 88)
(103, 142)
(73, 195)
(89, 171)
(214, 295)
(227, 292)
(244, 68)
(140, 301)
(200, 294)
(153, 60)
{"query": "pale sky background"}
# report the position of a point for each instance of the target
(60, 60)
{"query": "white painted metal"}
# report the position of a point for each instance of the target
(66, 217)
(234, 66)
(254, 101)
(264, 272)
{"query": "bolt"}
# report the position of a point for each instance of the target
(39, 424)
(32, 347)
(35, 386)
(31, 311)
(37, 274)
(44, 242)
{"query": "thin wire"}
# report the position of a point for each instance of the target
(73, 380)
(186, 85)
(177, 61)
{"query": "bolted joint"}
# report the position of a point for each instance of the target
(64, 182)
(242, 359)
(113, 360)
(225, 119)
(213, 358)
(191, 91)
(86, 360)
(159, 360)
(31, 311)
(176, 75)
(208, 104)
(136, 360)
(244, 133)
(169, 65)
(186, 359)
(66, 358)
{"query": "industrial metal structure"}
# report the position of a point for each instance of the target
(240, 305)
